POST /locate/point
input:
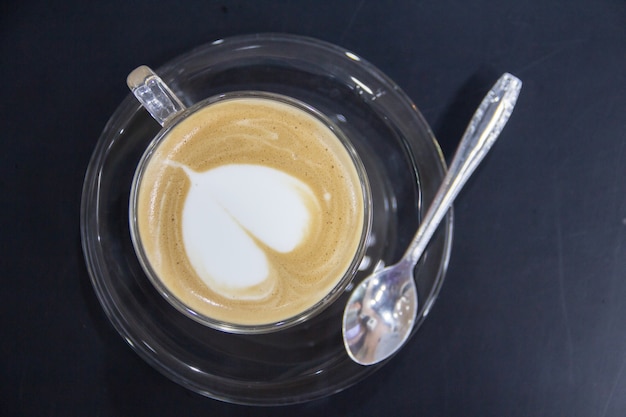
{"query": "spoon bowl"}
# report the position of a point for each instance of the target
(380, 313)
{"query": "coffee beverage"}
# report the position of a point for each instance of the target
(250, 210)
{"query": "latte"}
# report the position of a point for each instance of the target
(249, 211)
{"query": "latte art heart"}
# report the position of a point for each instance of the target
(233, 214)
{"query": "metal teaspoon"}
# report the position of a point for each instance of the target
(381, 311)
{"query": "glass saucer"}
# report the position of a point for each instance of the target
(405, 167)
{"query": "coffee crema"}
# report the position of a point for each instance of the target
(250, 211)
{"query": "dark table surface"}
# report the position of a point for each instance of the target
(531, 320)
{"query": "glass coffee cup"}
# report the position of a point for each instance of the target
(404, 167)
(249, 211)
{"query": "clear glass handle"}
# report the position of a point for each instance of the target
(154, 94)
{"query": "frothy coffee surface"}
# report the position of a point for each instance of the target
(250, 211)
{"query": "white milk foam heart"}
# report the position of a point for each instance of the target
(232, 211)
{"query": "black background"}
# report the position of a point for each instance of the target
(531, 320)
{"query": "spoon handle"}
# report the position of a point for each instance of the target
(481, 133)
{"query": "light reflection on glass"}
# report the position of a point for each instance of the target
(365, 263)
(245, 48)
(362, 86)
(193, 368)
(352, 56)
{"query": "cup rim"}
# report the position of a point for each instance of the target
(274, 326)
